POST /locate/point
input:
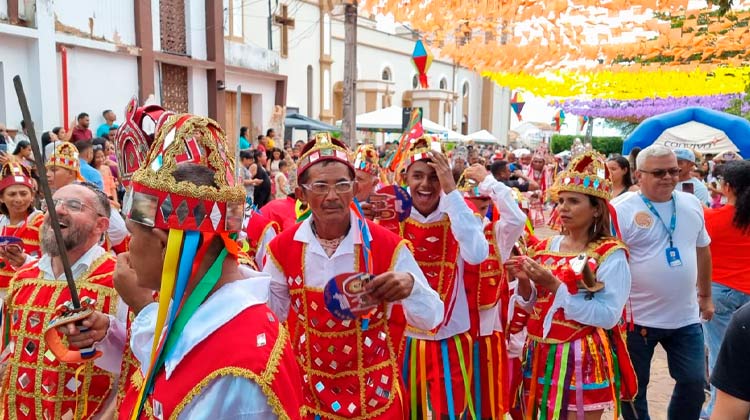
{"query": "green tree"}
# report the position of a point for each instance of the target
(603, 144)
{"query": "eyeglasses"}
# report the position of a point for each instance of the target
(323, 188)
(98, 147)
(74, 205)
(660, 173)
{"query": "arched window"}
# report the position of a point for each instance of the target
(444, 83)
(386, 75)
(465, 90)
(414, 81)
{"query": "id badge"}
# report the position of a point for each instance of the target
(673, 257)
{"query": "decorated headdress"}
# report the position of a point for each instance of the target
(135, 136)
(588, 174)
(15, 173)
(419, 149)
(322, 147)
(65, 156)
(366, 159)
(193, 214)
(469, 188)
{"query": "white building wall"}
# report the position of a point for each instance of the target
(3, 10)
(111, 20)
(195, 22)
(197, 91)
(264, 95)
(155, 22)
(97, 81)
(14, 58)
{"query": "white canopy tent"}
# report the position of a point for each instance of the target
(483, 136)
(698, 137)
(454, 136)
(389, 120)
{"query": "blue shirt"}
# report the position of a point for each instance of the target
(103, 129)
(244, 144)
(91, 175)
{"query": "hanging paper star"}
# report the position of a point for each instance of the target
(517, 104)
(559, 119)
(421, 57)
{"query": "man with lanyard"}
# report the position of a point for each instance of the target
(350, 366)
(669, 254)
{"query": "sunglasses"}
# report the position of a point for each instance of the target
(660, 173)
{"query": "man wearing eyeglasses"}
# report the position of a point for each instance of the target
(35, 384)
(350, 366)
(670, 263)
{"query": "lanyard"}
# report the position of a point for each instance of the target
(672, 222)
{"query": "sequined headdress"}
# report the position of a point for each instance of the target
(469, 188)
(65, 156)
(419, 149)
(366, 159)
(322, 147)
(587, 173)
(14, 173)
(135, 136)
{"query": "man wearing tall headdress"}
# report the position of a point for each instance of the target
(350, 366)
(35, 383)
(184, 210)
(487, 290)
(447, 234)
(367, 175)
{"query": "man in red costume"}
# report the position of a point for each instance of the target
(446, 234)
(350, 366)
(35, 384)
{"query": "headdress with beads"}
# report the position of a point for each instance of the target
(419, 149)
(15, 173)
(366, 159)
(193, 214)
(135, 136)
(587, 173)
(469, 188)
(322, 147)
(65, 156)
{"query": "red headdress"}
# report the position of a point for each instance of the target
(14, 173)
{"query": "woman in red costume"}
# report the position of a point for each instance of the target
(572, 289)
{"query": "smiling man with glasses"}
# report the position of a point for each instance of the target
(669, 259)
(351, 366)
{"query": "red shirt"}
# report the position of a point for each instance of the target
(281, 211)
(80, 133)
(729, 249)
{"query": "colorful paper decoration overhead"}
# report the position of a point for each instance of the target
(422, 60)
(517, 103)
(559, 119)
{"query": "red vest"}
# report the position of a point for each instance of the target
(349, 373)
(436, 252)
(35, 384)
(563, 329)
(252, 345)
(29, 234)
(256, 230)
(485, 283)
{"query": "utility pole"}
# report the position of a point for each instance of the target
(349, 123)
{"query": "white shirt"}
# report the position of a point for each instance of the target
(117, 230)
(699, 190)
(423, 308)
(604, 309)
(508, 229)
(662, 296)
(473, 248)
(226, 397)
(260, 253)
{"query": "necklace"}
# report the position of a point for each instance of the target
(328, 245)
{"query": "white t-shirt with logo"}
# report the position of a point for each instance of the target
(662, 296)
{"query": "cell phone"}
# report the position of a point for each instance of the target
(688, 187)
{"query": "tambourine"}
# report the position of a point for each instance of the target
(391, 204)
(65, 314)
(345, 296)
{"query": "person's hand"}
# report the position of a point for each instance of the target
(540, 275)
(513, 267)
(706, 305)
(13, 254)
(390, 287)
(476, 172)
(443, 171)
(367, 210)
(519, 174)
(126, 284)
(97, 324)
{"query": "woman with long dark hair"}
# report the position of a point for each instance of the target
(621, 175)
(574, 311)
(261, 181)
(729, 229)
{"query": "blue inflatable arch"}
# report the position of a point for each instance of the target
(736, 128)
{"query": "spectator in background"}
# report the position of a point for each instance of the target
(55, 140)
(244, 143)
(4, 137)
(622, 178)
(20, 136)
(23, 155)
(261, 181)
(98, 162)
(262, 143)
(271, 138)
(500, 169)
(729, 228)
(281, 180)
(687, 183)
(276, 156)
(86, 155)
(246, 158)
(732, 370)
(109, 124)
(81, 131)
(632, 158)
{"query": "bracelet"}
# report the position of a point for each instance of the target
(704, 296)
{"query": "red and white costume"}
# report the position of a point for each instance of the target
(28, 231)
(260, 231)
